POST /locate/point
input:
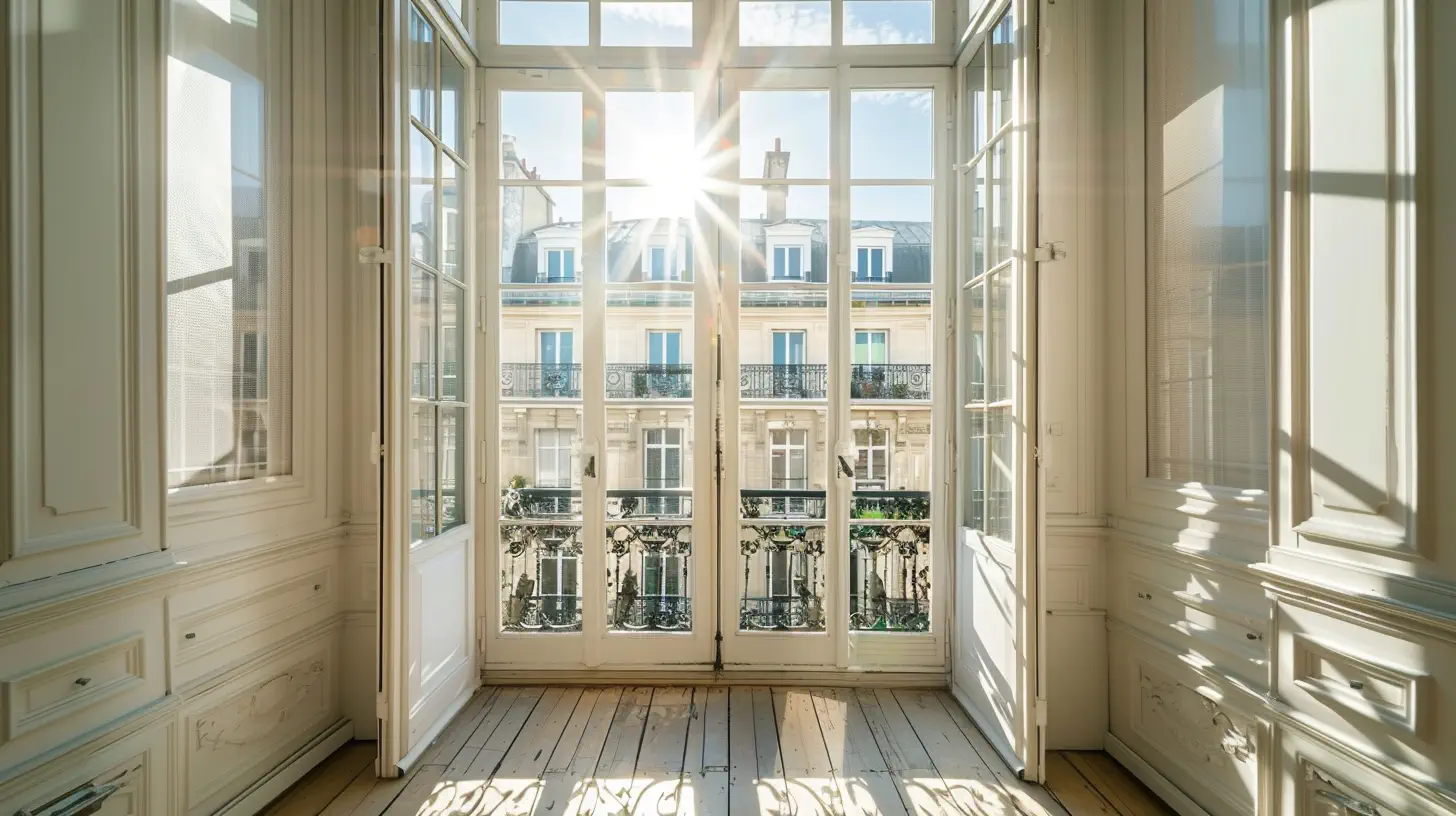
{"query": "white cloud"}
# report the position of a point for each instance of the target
(664, 15)
(808, 23)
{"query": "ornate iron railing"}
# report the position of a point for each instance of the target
(528, 550)
(783, 577)
(636, 596)
(790, 381)
(648, 381)
(890, 576)
(622, 503)
(890, 381)
(541, 380)
(758, 503)
(780, 613)
(542, 613)
(543, 276)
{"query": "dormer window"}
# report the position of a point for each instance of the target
(788, 263)
(560, 265)
(870, 265)
(658, 266)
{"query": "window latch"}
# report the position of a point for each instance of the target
(375, 255)
(1051, 251)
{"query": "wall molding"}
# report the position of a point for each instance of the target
(705, 676)
(262, 793)
(1150, 776)
(1375, 611)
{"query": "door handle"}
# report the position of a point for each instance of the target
(845, 467)
(590, 471)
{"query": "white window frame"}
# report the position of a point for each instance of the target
(658, 450)
(556, 448)
(558, 332)
(872, 240)
(669, 271)
(864, 451)
(786, 449)
(790, 273)
(855, 345)
(664, 333)
(666, 562)
(567, 259)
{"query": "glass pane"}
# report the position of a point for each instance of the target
(784, 22)
(452, 101)
(784, 232)
(1001, 477)
(421, 69)
(452, 232)
(892, 225)
(1002, 218)
(422, 472)
(424, 230)
(888, 22)
(1002, 50)
(891, 134)
(541, 238)
(650, 237)
(452, 339)
(654, 24)
(999, 357)
(975, 216)
(973, 115)
(537, 22)
(649, 135)
(541, 134)
(783, 134)
(973, 468)
(454, 490)
(422, 334)
(229, 280)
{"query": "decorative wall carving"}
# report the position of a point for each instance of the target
(259, 713)
(1196, 723)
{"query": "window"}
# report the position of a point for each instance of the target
(871, 347)
(788, 348)
(555, 346)
(553, 457)
(662, 469)
(771, 23)
(658, 268)
(558, 588)
(788, 459)
(870, 265)
(1208, 244)
(560, 266)
(229, 276)
(662, 574)
(872, 466)
(664, 348)
(788, 263)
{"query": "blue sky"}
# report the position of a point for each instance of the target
(650, 135)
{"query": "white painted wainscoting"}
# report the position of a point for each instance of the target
(197, 652)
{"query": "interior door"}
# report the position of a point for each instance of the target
(994, 656)
(427, 607)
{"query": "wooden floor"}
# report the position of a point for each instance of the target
(679, 750)
(1091, 782)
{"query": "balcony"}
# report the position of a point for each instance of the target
(651, 613)
(649, 381)
(547, 277)
(791, 381)
(890, 381)
(541, 613)
(553, 503)
(540, 380)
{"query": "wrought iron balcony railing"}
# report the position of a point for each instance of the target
(890, 381)
(889, 614)
(541, 380)
(541, 613)
(543, 276)
(649, 381)
(788, 381)
(657, 613)
(622, 503)
(781, 613)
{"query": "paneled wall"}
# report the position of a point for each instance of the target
(177, 650)
(1284, 644)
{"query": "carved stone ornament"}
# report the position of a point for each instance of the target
(1323, 786)
(254, 716)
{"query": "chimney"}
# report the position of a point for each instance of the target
(776, 166)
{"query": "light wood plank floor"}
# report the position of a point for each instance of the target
(675, 750)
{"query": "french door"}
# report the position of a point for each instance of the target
(716, 399)
(428, 587)
(995, 655)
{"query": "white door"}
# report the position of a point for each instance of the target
(994, 655)
(427, 609)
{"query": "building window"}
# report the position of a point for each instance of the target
(560, 266)
(789, 469)
(662, 469)
(558, 584)
(871, 347)
(872, 467)
(788, 348)
(553, 457)
(788, 263)
(664, 348)
(662, 575)
(870, 265)
(658, 266)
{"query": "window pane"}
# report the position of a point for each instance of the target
(422, 334)
(1002, 49)
(452, 100)
(534, 22)
(999, 241)
(541, 134)
(229, 278)
(650, 136)
(893, 227)
(422, 472)
(778, 218)
(973, 115)
(783, 134)
(454, 492)
(1208, 242)
(784, 23)
(424, 230)
(654, 24)
(539, 227)
(888, 22)
(452, 340)
(891, 134)
(421, 69)
(452, 226)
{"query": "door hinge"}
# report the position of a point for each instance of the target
(1041, 712)
(1048, 252)
(375, 255)
(1036, 454)
(376, 448)
(381, 706)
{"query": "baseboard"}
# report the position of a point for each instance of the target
(441, 723)
(708, 677)
(305, 759)
(1159, 784)
(1001, 746)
